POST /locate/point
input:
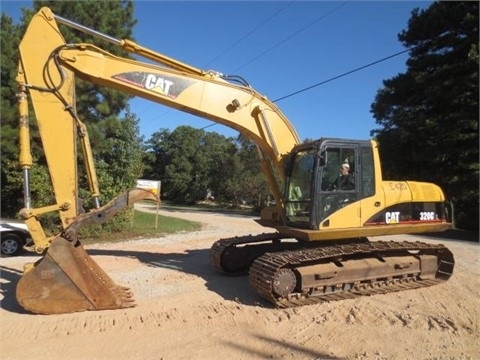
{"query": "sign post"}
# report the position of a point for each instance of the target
(154, 186)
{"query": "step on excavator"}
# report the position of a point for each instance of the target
(330, 197)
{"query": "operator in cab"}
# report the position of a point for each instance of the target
(344, 182)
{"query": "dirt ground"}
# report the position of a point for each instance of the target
(185, 310)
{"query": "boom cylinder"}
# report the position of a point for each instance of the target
(89, 164)
(25, 155)
(132, 47)
(87, 30)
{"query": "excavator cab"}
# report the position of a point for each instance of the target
(323, 177)
(335, 186)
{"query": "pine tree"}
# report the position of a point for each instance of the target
(429, 115)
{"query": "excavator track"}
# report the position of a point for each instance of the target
(229, 258)
(294, 273)
(234, 256)
(281, 277)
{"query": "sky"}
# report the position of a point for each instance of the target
(279, 47)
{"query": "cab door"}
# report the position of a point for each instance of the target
(338, 201)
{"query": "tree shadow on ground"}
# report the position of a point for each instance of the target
(10, 278)
(195, 262)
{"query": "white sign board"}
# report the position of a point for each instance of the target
(152, 185)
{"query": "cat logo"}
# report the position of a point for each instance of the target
(158, 84)
(392, 217)
(162, 84)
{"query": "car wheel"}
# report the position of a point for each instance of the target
(12, 244)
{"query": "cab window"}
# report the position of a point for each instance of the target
(338, 172)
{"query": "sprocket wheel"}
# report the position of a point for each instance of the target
(284, 282)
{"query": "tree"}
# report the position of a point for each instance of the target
(218, 153)
(181, 172)
(10, 176)
(429, 115)
(119, 164)
(155, 157)
(249, 183)
(189, 162)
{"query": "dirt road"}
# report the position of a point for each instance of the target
(185, 310)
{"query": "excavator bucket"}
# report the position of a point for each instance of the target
(67, 279)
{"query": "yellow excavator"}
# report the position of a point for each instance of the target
(317, 249)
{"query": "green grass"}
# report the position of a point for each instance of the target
(145, 223)
(143, 226)
(212, 207)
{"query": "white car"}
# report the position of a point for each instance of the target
(15, 236)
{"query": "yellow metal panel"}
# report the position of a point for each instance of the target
(208, 96)
(396, 192)
(55, 124)
(425, 192)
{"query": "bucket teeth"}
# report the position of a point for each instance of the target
(68, 280)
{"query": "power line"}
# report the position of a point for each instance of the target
(287, 39)
(265, 22)
(291, 36)
(341, 75)
(207, 126)
(233, 45)
(332, 79)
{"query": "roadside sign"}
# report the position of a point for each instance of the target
(154, 186)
